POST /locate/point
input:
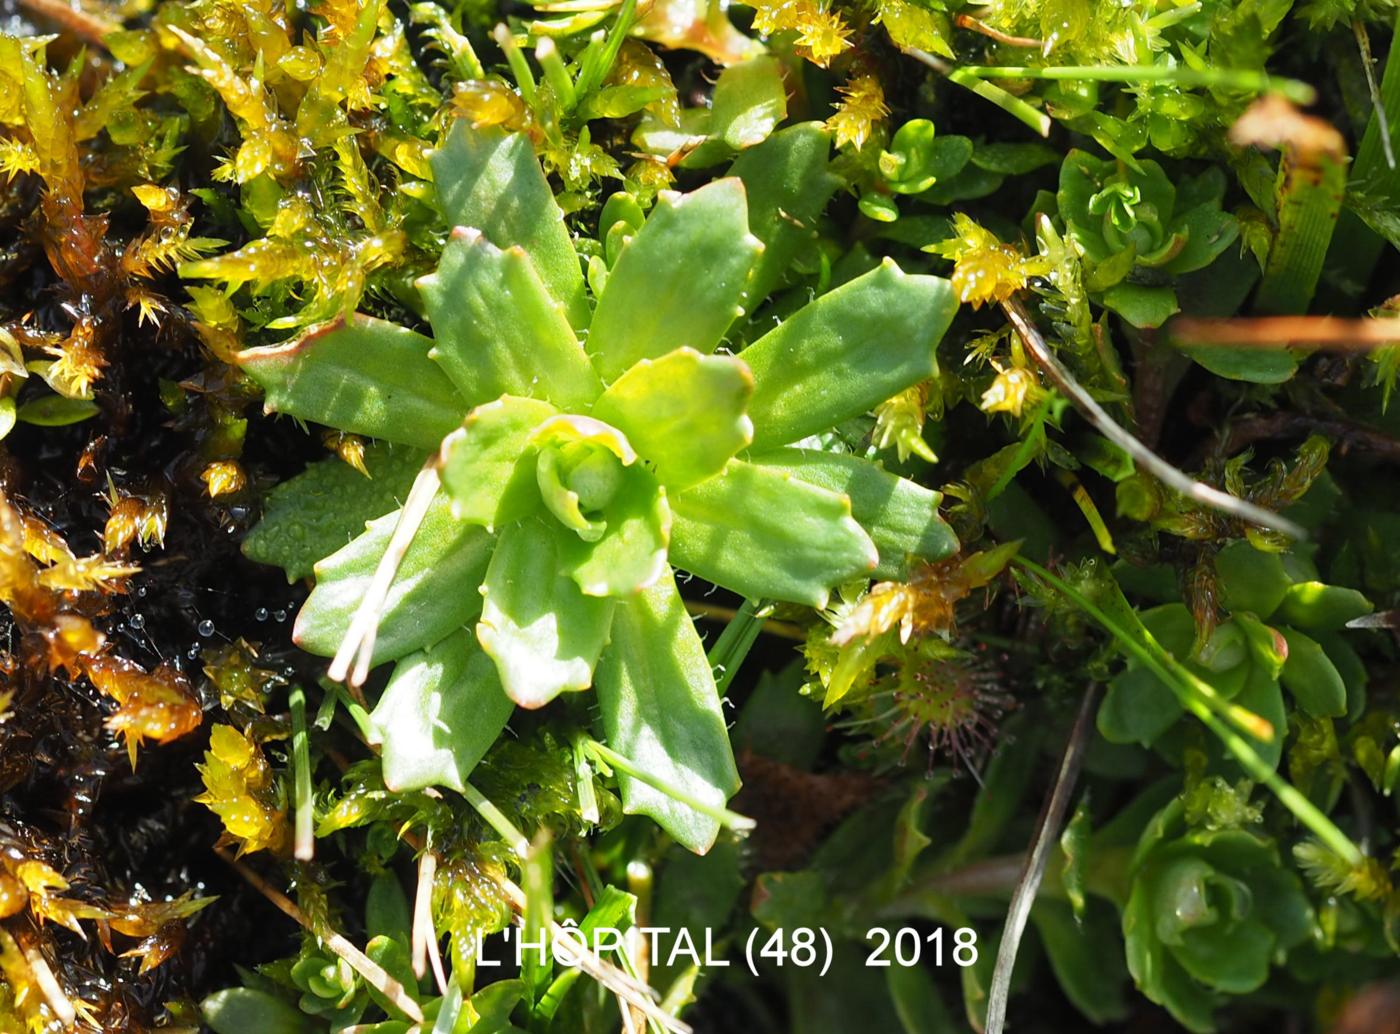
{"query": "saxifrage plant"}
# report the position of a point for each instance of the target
(576, 456)
(1208, 913)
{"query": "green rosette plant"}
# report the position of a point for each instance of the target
(575, 457)
(1284, 632)
(1137, 231)
(1208, 914)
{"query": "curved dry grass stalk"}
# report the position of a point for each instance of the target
(373, 973)
(87, 25)
(357, 647)
(572, 951)
(1118, 435)
(1333, 333)
(1051, 821)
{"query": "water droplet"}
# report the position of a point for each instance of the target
(193, 651)
(138, 621)
(279, 616)
(205, 629)
(141, 592)
(260, 614)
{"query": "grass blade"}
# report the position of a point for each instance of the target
(1312, 179)
(304, 839)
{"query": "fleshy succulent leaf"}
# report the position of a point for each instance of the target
(1312, 678)
(900, 517)
(661, 710)
(497, 332)
(631, 552)
(679, 281)
(845, 353)
(683, 412)
(362, 375)
(310, 516)
(766, 534)
(433, 594)
(749, 100)
(579, 469)
(481, 462)
(440, 712)
(788, 183)
(543, 633)
(491, 180)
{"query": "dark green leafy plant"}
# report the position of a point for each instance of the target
(1137, 230)
(1208, 914)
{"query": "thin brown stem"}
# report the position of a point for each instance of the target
(967, 21)
(89, 27)
(1242, 433)
(373, 973)
(1327, 332)
(1144, 457)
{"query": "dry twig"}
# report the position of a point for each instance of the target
(1051, 820)
(373, 973)
(1328, 332)
(1141, 454)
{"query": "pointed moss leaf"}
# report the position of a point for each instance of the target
(433, 594)
(788, 184)
(661, 710)
(238, 1010)
(496, 331)
(769, 535)
(483, 468)
(846, 352)
(1312, 678)
(363, 375)
(683, 412)
(749, 101)
(900, 517)
(440, 713)
(630, 555)
(310, 516)
(543, 633)
(1318, 607)
(491, 180)
(679, 280)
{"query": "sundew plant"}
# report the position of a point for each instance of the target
(801, 516)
